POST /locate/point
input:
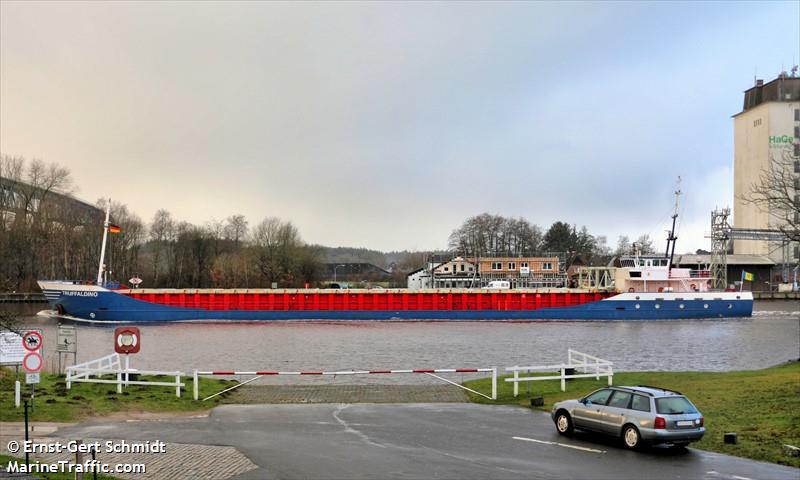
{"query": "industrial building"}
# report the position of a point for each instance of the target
(766, 134)
(759, 266)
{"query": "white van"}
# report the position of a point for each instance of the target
(499, 285)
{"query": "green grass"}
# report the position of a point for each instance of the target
(5, 459)
(762, 406)
(54, 403)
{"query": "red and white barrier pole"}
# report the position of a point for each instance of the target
(261, 373)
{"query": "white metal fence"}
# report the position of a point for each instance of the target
(590, 365)
(91, 371)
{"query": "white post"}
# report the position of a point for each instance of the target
(563, 380)
(16, 393)
(178, 386)
(127, 368)
(516, 380)
(119, 382)
(597, 368)
(103, 248)
(610, 376)
(494, 383)
(195, 387)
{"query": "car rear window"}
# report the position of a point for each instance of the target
(641, 403)
(674, 405)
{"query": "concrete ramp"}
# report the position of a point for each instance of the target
(260, 394)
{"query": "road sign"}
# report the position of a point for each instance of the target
(67, 339)
(31, 378)
(11, 350)
(32, 363)
(32, 340)
(127, 340)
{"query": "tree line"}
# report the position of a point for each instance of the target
(42, 235)
(488, 235)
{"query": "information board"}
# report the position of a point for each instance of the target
(11, 350)
(67, 339)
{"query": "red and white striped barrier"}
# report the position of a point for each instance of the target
(432, 372)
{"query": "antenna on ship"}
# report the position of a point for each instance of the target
(100, 268)
(672, 238)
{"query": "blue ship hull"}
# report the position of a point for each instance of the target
(101, 305)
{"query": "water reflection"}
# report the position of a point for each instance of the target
(769, 337)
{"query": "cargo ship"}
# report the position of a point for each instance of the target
(641, 288)
(95, 303)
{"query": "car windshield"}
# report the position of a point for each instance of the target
(674, 406)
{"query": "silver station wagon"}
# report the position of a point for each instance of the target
(638, 415)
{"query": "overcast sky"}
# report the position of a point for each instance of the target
(385, 125)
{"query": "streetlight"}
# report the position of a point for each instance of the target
(334, 272)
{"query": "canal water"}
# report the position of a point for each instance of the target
(770, 336)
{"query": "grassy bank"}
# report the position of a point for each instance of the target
(54, 403)
(762, 406)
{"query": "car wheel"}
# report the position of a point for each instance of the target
(564, 423)
(631, 437)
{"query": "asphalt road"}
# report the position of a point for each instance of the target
(423, 441)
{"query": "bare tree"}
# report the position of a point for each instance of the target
(777, 191)
(161, 234)
(281, 255)
(236, 229)
(623, 246)
(645, 244)
(486, 235)
(30, 223)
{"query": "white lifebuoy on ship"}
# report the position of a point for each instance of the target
(694, 287)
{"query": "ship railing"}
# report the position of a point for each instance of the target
(93, 371)
(590, 365)
(692, 274)
(700, 274)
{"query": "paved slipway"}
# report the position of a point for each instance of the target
(438, 440)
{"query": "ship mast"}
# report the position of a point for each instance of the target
(103, 248)
(671, 238)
